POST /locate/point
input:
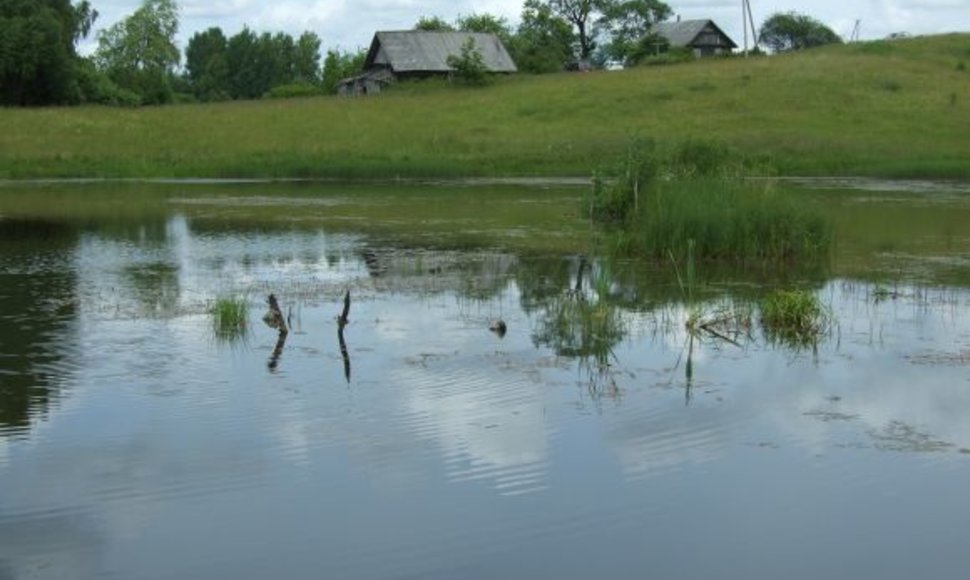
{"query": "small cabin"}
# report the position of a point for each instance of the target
(703, 37)
(397, 55)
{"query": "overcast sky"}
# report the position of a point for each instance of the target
(349, 24)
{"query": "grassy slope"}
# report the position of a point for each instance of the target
(894, 109)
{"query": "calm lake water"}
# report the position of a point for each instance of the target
(595, 438)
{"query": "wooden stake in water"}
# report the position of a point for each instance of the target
(274, 316)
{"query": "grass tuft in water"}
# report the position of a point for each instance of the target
(229, 318)
(694, 200)
(795, 318)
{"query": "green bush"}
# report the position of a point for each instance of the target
(469, 68)
(94, 87)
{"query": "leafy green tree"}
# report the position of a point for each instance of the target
(306, 59)
(651, 46)
(469, 67)
(258, 64)
(627, 23)
(543, 42)
(582, 15)
(84, 18)
(433, 24)
(206, 65)
(242, 59)
(275, 59)
(486, 23)
(139, 53)
(341, 65)
(787, 31)
(38, 61)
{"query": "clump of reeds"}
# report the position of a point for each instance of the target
(728, 220)
(794, 318)
(229, 318)
(694, 195)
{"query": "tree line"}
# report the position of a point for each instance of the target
(138, 62)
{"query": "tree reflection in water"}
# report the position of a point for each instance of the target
(580, 321)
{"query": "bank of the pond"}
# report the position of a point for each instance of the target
(878, 108)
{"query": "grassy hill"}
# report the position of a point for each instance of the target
(899, 108)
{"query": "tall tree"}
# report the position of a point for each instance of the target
(275, 59)
(84, 18)
(38, 61)
(544, 41)
(432, 24)
(787, 31)
(242, 58)
(581, 14)
(258, 64)
(340, 65)
(627, 23)
(206, 65)
(306, 59)
(486, 23)
(139, 53)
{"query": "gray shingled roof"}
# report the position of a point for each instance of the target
(684, 32)
(421, 51)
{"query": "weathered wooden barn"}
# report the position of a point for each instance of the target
(396, 55)
(702, 36)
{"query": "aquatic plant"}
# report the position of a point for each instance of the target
(723, 220)
(795, 318)
(615, 194)
(729, 220)
(229, 318)
(692, 199)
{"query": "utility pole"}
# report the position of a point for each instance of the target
(747, 19)
(856, 31)
(744, 23)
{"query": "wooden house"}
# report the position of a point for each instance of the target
(396, 55)
(702, 36)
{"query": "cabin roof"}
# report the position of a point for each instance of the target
(423, 51)
(685, 32)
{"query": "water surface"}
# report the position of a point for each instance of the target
(595, 438)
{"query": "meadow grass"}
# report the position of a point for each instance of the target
(230, 318)
(883, 108)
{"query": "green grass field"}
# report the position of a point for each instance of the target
(892, 109)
